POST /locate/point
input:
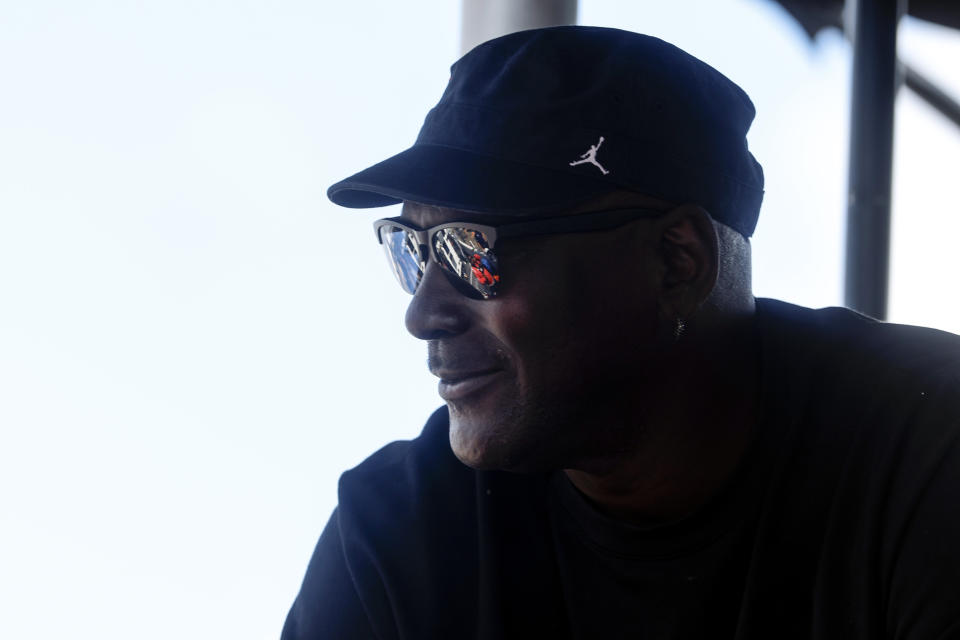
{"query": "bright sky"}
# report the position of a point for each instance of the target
(194, 343)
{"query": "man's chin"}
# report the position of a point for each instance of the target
(472, 448)
(484, 448)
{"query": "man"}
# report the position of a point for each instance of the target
(632, 445)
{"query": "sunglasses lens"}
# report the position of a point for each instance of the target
(466, 254)
(403, 254)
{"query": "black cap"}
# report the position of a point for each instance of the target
(539, 121)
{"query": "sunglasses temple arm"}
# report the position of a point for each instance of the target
(597, 221)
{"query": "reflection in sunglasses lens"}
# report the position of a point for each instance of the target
(403, 254)
(466, 253)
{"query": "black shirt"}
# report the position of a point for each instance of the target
(842, 522)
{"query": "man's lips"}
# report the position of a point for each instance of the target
(456, 385)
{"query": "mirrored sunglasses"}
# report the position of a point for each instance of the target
(465, 250)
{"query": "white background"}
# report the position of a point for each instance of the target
(194, 343)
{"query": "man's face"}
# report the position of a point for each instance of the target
(541, 376)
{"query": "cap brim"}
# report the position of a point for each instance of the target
(448, 177)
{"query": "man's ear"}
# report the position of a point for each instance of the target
(689, 254)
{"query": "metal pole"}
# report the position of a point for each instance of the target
(934, 95)
(871, 154)
(485, 19)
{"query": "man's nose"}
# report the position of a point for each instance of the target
(437, 309)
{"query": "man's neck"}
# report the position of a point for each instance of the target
(690, 443)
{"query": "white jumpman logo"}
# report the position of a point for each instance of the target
(591, 156)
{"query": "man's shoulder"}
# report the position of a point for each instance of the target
(878, 397)
(865, 417)
(845, 342)
(860, 385)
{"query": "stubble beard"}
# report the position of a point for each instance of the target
(525, 435)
